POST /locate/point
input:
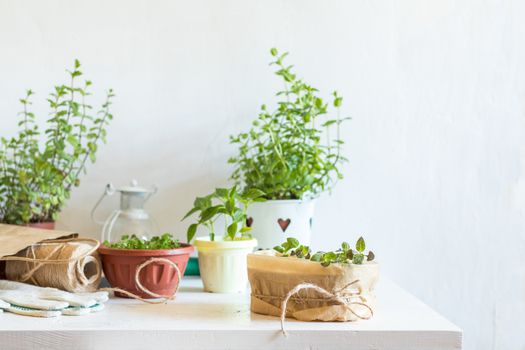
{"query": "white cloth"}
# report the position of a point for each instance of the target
(29, 300)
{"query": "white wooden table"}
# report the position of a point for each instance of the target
(198, 320)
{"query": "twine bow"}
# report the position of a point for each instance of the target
(338, 296)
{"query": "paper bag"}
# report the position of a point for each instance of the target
(14, 238)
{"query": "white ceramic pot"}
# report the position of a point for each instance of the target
(222, 264)
(275, 220)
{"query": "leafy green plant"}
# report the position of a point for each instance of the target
(283, 154)
(228, 204)
(344, 255)
(36, 178)
(166, 241)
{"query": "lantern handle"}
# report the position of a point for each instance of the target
(108, 191)
(152, 191)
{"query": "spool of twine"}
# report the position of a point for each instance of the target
(69, 264)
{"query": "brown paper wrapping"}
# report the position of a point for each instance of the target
(15, 238)
(272, 277)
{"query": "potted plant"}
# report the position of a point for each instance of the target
(222, 257)
(314, 286)
(121, 259)
(36, 177)
(291, 154)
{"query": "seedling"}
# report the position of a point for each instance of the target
(228, 204)
(166, 241)
(344, 255)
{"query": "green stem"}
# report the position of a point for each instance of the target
(95, 141)
(80, 133)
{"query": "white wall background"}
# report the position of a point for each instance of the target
(436, 181)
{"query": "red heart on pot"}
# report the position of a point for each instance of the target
(284, 224)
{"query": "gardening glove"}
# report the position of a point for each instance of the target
(29, 300)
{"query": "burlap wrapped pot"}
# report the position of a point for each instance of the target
(350, 288)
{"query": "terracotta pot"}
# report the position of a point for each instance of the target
(47, 225)
(119, 267)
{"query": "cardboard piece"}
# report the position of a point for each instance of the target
(15, 238)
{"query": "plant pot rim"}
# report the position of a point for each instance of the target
(183, 249)
(39, 222)
(45, 225)
(220, 243)
(285, 201)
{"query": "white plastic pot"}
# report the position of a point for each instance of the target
(223, 265)
(275, 220)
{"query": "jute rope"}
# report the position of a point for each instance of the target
(336, 295)
(75, 265)
(74, 279)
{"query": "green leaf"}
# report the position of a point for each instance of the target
(329, 256)
(278, 249)
(360, 245)
(202, 202)
(221, 192)
(232, 230)
(293, 242)
(72, 140)
(209, 213)
(329, 122)
(253, 193)
(193, 210)
(317, 257)
(273, 51)
(345, 246)
(230, 204)
(358, 259)
(192, 229)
